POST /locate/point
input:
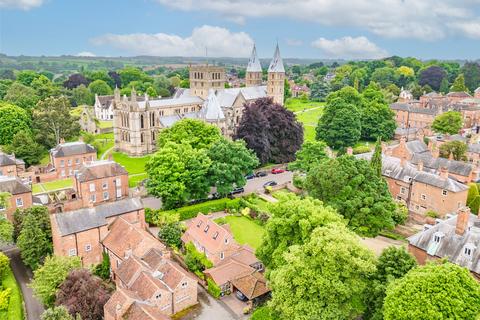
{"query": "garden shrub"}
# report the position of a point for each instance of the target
(207, 207)
(361, 149)
(262, 313)
(4, 263)
(213, 289)
(195, 260)
(431, 214)
(5, 298)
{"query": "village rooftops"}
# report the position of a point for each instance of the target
(88, 218)
(458, 95)
(412, 109)
(72, 149)
(128, 305)
(13, 185)
(100, 169)
(7, 160)
(207, 233)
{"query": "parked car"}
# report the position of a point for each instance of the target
(237, 191)
(249, 176)
(277, 171)
(240, 296)
(270, 184)
(261, 174)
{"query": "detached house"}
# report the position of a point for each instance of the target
(67, 157)
(457, 239)
(20, 196)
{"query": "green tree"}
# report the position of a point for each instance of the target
(392, 264)
(48, 278)
(433, 291)
(100, 87)
(319, 90)
(347, 94)
(4, 264)
(151, 92)
(129, 74)
(25, 148)
(13, 119)
(287, 92)
(326, 278)
(354, 188)
(292, 222)
(35, 237)
(473, 198)
(376, 161)
(81, 95)
(449, 122)
(22, 96)
(56, 313)
(52, 121)
(378, 121)
(4, 85)
(383, 76)
(178, 173)
(196, 133)
(231, 161)
(196, 261)
(458, 149)
(102, 269)
(444, 88)
(44, 87)
(459, 84)
(26, 77)
(471, 71)
(6, 231)
(171, 233)
(309, 156)
(340, 124)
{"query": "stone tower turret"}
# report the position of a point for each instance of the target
(276, 78)
(253, 76)
(205, 77)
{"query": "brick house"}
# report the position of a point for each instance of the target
(126, 304)
(125, 239)
(456, 239)
(20, 195)
(299, 90)
(210, 238)
(10, 166)
(68, 157)
(80, 232)
(156, 281)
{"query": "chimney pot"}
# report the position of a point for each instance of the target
(444, 172)
(463, 216)
(420, 165)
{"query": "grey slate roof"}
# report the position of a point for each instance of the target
(391, 167)
(276, 65)
(100, 169)
(211, 109)
(89, 218)
(253, 63)
(452, 245)
(474, 147)
(456, 167)
(71, 149)
(13, 185)
(417, 146)
(409, 108)
(5, 160)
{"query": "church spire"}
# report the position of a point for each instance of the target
(254, 64)
(277, 63)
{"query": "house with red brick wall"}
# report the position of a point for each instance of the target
(125, 239)
(80, 232)
(210, 238)
(127, 305)
(457, 239)
(68, 157)
(20, 195)
(158, 281)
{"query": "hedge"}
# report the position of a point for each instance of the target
(189, 212)
(213, 288)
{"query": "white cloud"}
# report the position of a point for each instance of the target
(293, 42)
(470, 28)
(20, 4)
(86, 54)
(218, 41)
(425, 19)
(349, 48)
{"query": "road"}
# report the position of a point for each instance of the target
(253, 185)
(23, 276)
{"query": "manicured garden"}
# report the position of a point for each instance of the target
(15, 307)
(132, 165)
(246, 230)
(52, 185)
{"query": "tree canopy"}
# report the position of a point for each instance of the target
(354, 188)
(457, 149)
(309, 156)
(13, 119)
(448, 122)
(433, 291)
(196, 133)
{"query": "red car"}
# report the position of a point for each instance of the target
(277, 171)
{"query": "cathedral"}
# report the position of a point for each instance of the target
(138, 120)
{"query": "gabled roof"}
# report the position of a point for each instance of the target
(89, 218)
(13, 185)
(100, 169)
(451, 245)
(457, 167)
(211, 109)
(6, 160)
(72, 149)
(277, 63)
(253, 63)
(252, 285)
(228, 271)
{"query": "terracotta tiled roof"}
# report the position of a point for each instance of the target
(252, 285)
(125, 238)
(146, 286)
(458, 95)
(129, 269)
(100, 169)
(126, 304)
(144, 311)
(228, 271)
(120, 301)
(245, 255)
(207, 233)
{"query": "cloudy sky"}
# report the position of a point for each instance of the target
(351, 29)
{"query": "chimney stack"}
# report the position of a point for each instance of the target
(420, 165)
(350, 151)
(450, 156)
(444, 172)
(463, 216)
(430, 145)
(403, 161)
(435, 152)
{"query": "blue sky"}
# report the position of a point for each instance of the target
(446, 29)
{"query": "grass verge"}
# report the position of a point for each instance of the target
(15, 307)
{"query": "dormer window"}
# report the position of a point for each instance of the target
(158, 296)
(184, 284)
(438, 236)
(469, 249)
(215, 235)
(407, 179)
(206, 228)
(226, 240)
(444, 192)
(199, 224)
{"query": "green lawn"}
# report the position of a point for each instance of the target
(132, 165)
(103, 142)
(246, 231)
(15, 308)
(105, 124)
(134, 180)
(296, 104)
(52, 185)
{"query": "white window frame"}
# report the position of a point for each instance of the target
(19, 202)
(72, 252)
(62, 173)
(69, 162)
(62, 163)
(92, 187)
(105, 185)
(93, 198)
(77, 161)
(88, 247)
(423, 196)
(444, 192)
(402, 190)
(106, 196)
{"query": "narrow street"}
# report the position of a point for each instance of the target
(23, 275)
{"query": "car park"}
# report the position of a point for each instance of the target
(261, 174)
(249, 176)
